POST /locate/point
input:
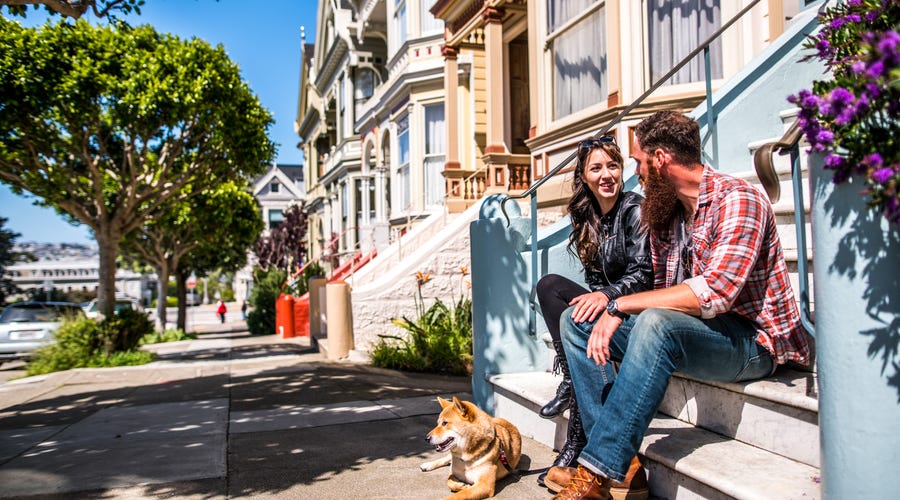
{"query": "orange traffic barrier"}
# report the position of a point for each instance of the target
(301, 316)
(284, 316)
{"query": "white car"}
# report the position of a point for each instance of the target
(26, 326)
(90, 310)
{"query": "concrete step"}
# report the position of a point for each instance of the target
(770, 425)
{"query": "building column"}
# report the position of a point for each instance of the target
(381, 232)
(327, 221)
(336, 217)
(451, 106)
(493, 46)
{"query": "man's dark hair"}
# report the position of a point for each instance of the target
(672, 132)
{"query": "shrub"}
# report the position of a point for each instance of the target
(266, 288)
(83, 342)
(172, 335)
(123, 331)
(438, 341)
(76, 341)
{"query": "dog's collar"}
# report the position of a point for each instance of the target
(505, 462)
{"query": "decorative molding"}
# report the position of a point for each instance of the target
(474, 8)
(449, 52)
(492, 15)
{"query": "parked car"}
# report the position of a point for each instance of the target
(121, 303)
(26, 326)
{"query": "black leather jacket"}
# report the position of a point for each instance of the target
(623, 264)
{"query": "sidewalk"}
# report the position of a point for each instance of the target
(231, 416)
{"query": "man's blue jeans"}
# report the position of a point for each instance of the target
(651, 346)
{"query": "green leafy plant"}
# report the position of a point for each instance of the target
(853, 118)
(83, 342)
(439, 340)
(171, 335)
(266, 288)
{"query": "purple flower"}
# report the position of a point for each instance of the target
(834, 162)
(873, 90)
(839, 106)
(882, 175)
(872, 160)
(888, 43)
(875, 69)
(825, 136)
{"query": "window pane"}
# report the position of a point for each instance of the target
(435, 133)
(403, 144)
(275, 218)
(435, 146)
(434, 181)
(428, 23)
(675, 28)
(559, 12)
(579, 63)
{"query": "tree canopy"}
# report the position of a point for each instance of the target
(213, 230)
(114, 124)
(7, 258)
(285, 245)
(75, 8)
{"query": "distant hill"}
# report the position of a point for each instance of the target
(57, 251)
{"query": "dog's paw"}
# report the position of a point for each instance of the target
(427, 466)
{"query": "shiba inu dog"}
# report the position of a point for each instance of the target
(482, 449)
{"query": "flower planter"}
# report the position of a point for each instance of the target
(856, 262)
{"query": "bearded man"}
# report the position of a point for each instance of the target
(722, 308)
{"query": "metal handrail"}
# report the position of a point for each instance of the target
(710, 121)
(765, 170)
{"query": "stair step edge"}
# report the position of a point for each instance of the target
(540, 387)
(698, 454)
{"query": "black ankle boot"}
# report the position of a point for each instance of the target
(559, 403)
(575, 442)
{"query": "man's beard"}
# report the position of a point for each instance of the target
(660, 201)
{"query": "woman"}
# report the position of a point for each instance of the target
(612, 246)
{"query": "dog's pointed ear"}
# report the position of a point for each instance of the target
(443, 402)
(460, 407)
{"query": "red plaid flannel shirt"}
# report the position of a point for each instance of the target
(738, 264)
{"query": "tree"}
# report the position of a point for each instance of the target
(7, 258)
(114, 124)
(285, 245)
(215, 229)
(75, 8)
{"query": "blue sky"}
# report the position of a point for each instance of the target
(262, 37)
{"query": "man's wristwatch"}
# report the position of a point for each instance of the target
(613, 309)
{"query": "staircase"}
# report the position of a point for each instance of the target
(751, 440)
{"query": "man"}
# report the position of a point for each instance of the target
(722, 308)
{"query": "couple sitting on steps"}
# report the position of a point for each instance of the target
(699, 258)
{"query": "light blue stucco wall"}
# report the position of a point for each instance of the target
(501, 292)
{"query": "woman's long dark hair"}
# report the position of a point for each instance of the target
(584, 210)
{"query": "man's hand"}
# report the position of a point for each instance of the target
(588, 306)
(601, 334)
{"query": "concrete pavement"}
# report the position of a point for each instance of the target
(231, 416)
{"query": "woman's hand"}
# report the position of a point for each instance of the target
(588, 306)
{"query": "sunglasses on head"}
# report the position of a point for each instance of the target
(596, 142)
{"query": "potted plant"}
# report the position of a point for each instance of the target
(851, 120)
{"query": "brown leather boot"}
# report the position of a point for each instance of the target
(634, 487)
(585, 485)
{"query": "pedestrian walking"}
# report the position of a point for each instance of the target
(244, 310)
(221, 310)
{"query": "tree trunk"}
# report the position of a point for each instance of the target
(162, 286)
(180, 279)
(108, 243)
